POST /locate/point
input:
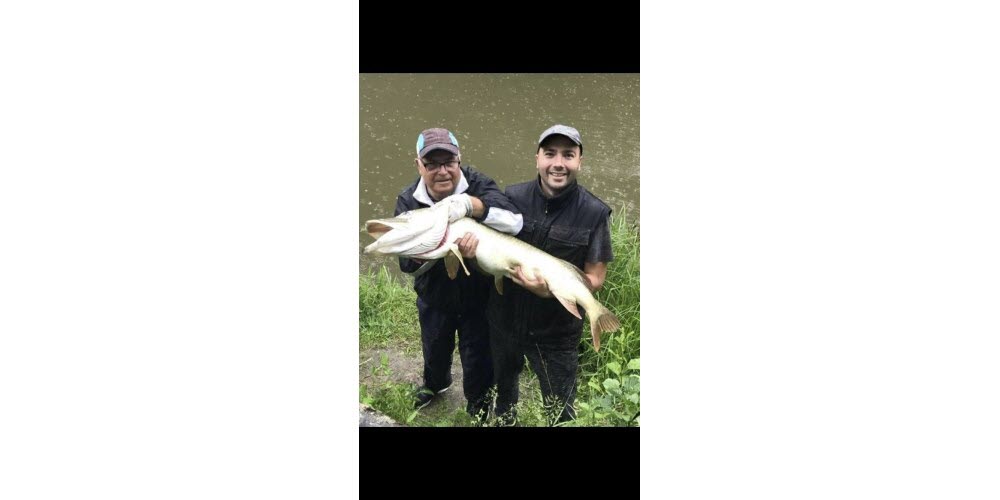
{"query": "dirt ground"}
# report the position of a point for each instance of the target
(409, 367)
(406, 364)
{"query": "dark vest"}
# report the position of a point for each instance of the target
(562, 227)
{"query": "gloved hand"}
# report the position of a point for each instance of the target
(459, 205)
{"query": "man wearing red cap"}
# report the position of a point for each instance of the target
(445, 305)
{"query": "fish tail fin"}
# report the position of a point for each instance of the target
(602, 321)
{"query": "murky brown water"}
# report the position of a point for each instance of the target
(497, 119)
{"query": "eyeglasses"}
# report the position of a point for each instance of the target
(433, 165)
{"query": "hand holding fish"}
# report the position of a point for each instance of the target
(534, 284)
(467, 245)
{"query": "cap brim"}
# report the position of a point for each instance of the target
(540, 141)
(451, 148)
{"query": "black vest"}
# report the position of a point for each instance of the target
(561, 226)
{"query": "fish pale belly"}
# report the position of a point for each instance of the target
(497, 253)
(493, 249)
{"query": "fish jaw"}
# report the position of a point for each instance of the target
(410, 234)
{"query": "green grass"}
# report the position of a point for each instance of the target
(608, 394)
(608, 386)
(388, 312)
(395, 399)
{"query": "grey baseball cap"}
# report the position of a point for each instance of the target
(436, 138)
(566, 130)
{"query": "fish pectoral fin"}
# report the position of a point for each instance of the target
(452, 260)
(498, 282)
(569, 304)
(451, 265)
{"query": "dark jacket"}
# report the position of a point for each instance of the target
(434, 287)
(572, 226)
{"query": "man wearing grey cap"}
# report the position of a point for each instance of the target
(445, 305)
(567, 221)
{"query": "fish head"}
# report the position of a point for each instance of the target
(409, 234)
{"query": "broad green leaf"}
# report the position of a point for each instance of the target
(631, 383)
(612, 386)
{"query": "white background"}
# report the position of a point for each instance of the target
(829, 252)
(177, 318)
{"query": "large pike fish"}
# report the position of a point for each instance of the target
(426, 234)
